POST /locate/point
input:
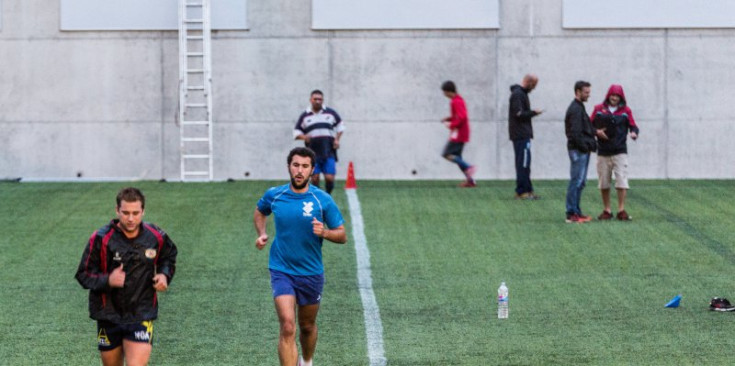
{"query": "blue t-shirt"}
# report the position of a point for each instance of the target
(296, 250)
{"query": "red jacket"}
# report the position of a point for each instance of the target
(617, 124)
(459, 125)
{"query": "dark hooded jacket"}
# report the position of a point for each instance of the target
(616, 123)
(520, 114)
(150, 253)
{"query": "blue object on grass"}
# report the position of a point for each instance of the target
(674, 303)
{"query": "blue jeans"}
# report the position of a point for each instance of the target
(522, 149)
(577, 180)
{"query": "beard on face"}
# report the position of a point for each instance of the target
(299, 186)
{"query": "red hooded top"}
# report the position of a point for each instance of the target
(616, 123)
(459, 125)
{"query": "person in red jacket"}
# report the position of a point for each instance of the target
(124, 265)
(459, 125)
(616, 119)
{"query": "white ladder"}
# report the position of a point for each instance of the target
(195, 90)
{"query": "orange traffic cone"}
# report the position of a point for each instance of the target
(350, 184)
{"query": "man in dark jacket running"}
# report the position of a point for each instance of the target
(125, 263)
(521, 133)
(580, 142)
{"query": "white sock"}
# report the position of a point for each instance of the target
(304, 363)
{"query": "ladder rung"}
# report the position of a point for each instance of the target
(195, 87)
(195, 37)
(193, 21)
(195, 71)
(196, 139)
(194, 4)
(196, 156)
(195, 54)
(196, 105)
(196, 173)
(194, 122)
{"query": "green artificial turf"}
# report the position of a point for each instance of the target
(579, 293)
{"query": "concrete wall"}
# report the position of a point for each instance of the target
(103, 104)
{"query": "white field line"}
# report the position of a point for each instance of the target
(371, 312)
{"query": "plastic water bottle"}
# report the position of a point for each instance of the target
(502, 301)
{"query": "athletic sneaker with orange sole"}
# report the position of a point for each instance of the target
(574, 219)
(585, 218)
(468, 184)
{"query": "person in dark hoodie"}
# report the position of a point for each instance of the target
(580, 142)
(615, 117)
(521, 133)
(124, 301)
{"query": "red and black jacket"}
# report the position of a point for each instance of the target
(617, 124)
(151, 252)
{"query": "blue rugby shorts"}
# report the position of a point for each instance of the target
(306, 289)
(326, 166)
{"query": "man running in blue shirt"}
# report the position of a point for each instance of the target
(304, 216)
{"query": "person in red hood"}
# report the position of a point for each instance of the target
(459, 125)
(615, 118)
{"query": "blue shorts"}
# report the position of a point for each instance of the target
(111, 335)
(307, 289)
(326, 166)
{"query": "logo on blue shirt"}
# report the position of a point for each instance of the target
(308, 207)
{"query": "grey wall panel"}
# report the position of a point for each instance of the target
(648, 155)
(123, 150)
(256, 148)
(82, 80)
(72, 101)
(405, 14)
(280, 18)
(85, 15)
(700, 67)
(649, 14)
(561, 62)
(268, 80)
(405, 76)
(697, 150)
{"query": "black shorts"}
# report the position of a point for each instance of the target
(111, 335)
(453, 148)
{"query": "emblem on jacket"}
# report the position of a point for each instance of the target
(308, 207)
(150, 253)
(117, 257)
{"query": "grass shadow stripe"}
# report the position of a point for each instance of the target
(714, 245)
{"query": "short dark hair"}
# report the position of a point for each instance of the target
(130, 194)
(580, 85)
(316, 91)
(302, 151)
(448, 86)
